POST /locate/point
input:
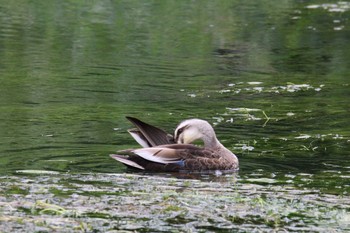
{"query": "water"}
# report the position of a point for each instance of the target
(271, 78)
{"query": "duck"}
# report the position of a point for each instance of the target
(164, 152)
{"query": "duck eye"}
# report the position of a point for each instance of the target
(179, 131)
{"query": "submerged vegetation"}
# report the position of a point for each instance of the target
(132, 202)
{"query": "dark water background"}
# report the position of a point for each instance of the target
(272, 77)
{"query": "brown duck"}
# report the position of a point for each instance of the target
(164, 152)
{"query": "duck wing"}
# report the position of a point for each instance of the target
(177, 157)
(165, 154)
(148, 135)
(190, 157)
(157, 154)
(125, 160)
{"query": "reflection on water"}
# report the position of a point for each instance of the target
(271, 78)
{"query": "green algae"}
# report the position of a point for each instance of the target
(155, 203)
(16, 189)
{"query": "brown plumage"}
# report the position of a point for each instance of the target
(161, 153)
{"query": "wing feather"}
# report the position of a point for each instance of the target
(139, 138)
(154, 135)
(158, 155)
(126, 161)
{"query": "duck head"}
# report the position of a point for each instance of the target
(193, 129)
